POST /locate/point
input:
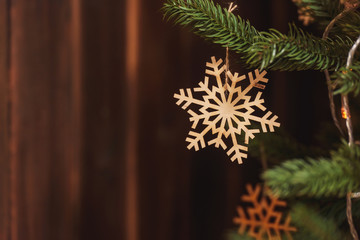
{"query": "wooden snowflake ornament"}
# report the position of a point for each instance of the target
(225, 109)
(262, 220)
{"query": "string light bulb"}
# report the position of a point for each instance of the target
(344, 113)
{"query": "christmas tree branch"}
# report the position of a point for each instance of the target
(307, 219)
(311, 178)
(326, 71)
(325, 12)
(336, 209)
(347, 80)
(317, 177)
(322, 11)
(271, 50)
(338, 17)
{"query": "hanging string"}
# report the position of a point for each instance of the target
(227, 64)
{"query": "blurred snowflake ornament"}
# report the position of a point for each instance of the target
(263, 220)
(225, 109)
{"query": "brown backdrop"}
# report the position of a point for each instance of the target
(91, 141)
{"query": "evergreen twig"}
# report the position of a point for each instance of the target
(347, 80)
(297, 50)
(323, 11)
(317, 177)
(314, 224)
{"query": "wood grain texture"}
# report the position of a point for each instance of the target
(132, 120)
(104, 126)
(44, 120)
(4, 122)
(64, 120)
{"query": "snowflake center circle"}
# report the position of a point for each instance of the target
(226, 110)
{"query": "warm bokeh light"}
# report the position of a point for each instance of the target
(344, 113)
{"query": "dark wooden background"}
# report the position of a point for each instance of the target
(91, 141)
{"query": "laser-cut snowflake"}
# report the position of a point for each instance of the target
(262, 219)
(226, 110)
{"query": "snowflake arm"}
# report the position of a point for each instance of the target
(259, 77)
(198, 139)
(237, 148)
(189, 99)
(264, 121)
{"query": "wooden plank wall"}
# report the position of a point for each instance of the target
(44, 119)
(104, 126)
(4, 122)
(90, 150)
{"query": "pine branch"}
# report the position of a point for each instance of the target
(280, 146)
(311, 178)
(234, 235)
(271, 50)
(308, 220)
(317, 177)
(347, 80)
(323, 11)
(320, 11)
(349, 25)
(336, 209)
